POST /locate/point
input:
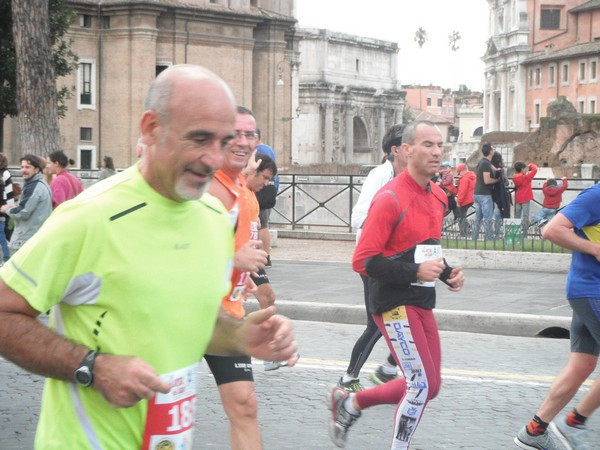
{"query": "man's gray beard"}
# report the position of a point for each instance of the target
(187, 194)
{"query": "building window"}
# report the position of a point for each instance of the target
(85, 21)
(593, 105)
(160, 67)
(564, 73)
(86, 84)
(537, 110)
(593, 70)
(86, 157)
(105, 22)
(428, 101)
(537, 74)
(85, 134)
(582, 71)
(530, 78)
(357, 65)
(581, 105)
(551, 75)
(439, 102)
(550, 19)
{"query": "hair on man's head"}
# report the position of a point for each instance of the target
(393, 137)
(486, 149)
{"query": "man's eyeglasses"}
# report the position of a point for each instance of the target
(249, 135)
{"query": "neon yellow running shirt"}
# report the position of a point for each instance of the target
(130, 273)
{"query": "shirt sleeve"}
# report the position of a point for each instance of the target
(378, 177)
(382, 218)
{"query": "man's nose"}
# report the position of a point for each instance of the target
(215, 156)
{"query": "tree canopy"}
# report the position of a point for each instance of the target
(65, 60)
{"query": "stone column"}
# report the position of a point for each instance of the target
(381, 131)
(504, 100)
(295, 65)
(327, 117)
(349, 153)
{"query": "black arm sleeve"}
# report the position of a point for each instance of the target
(391, 271)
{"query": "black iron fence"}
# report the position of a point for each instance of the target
(325, 202)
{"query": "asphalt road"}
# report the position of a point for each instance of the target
(491, 387)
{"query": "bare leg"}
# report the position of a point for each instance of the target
(265, 236)
(567, 383)
(240, 405)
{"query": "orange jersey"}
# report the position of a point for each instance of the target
(246, 228)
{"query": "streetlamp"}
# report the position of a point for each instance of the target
(280, 68)
(288, 119)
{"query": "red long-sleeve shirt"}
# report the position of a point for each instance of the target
(553, 195)
(523, 189)
(402, 215)
(466, 188)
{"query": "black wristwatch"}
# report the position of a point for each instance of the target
(84, 374)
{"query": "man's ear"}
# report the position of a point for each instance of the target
(406, 149)
(150, 125)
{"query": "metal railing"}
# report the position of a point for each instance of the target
(325, 202)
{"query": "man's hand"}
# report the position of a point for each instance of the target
(252, 165)
(456, 279)
(125, 380)
(270, 337)
(250, 257)
(430, 270)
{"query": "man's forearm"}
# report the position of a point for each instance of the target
(227, 338)
(35, 348)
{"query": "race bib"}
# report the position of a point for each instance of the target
(170, 417)
(253, 231)
(426, 253)
(238, 291)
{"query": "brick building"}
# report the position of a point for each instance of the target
(539, 51)
(122, 46)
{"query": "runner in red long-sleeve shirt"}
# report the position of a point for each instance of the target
(400, 252)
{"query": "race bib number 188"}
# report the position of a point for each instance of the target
(170, 417)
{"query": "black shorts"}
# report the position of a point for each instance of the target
(228, 369)
(262, 278)
(264, 215)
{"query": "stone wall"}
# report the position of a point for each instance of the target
(564, 144)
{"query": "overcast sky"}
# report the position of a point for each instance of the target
(397, 21)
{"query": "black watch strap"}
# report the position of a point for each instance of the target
(84, 375)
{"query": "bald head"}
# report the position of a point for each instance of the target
(189, 119)
(166, 86)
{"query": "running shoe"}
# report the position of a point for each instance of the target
(378, 377)
(546, 441)
(268, 264)
(573, 438)
(341, 420)
(351, 386)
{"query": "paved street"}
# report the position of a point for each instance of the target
(320, 271)
(492, 385)
(505, 291)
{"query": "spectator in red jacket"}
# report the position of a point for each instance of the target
(464, 196)
(553, 191)
(524, 174)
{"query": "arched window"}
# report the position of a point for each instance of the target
(478, 131)
(361, 137)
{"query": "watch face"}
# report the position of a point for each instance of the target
(83, 376)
